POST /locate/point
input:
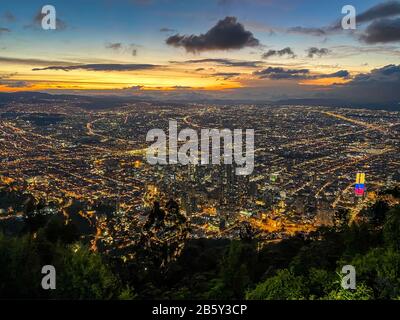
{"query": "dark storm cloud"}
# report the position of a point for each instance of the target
(226, 34)
(379, 11)
(285, 51)
(224, 62)
(101, 67)
(313, 51)
(378, 86)
(389, 73)
(382, 10)
(382, 31)
(278, 73)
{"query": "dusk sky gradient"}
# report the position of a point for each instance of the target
(254, 49)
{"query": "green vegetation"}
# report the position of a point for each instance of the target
(302, 267)
(81, 274)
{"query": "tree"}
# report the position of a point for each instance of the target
(391, 229)
(20, 268)
(359, 238)
(82, 274)
(362, 292)
(283, 286)
(236, 272)
(380, 270)
(320, 282)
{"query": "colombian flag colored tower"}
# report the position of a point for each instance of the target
(360, 184)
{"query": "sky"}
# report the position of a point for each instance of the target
(236, 49)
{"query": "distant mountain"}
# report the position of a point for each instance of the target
(112, 101)
(17, 96)
(90, 102)
(390, 105)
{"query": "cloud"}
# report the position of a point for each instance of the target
(118, 46)
(4, 30)
(101, 67)
(8, 17)
(382, 31)
(181, 87)
(379, 11)
(224, 62)
(278, 73)
(31, 61)
(308, 31)
(167, 30)
(344, 74)
(5, 80)
(114, 46)
(387, 73)
(8, 75)
(281, 73)
(226, 75)
(134, 88)
(313, 51)
(133, 49)
(380, 85)
(227, 34)
(15, 84)
(285, 51)
(382, 10)
(36, 23)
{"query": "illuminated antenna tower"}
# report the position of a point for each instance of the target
(359, 189)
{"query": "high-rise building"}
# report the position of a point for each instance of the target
(359, 189)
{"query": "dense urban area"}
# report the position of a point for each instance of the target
(86, 166)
